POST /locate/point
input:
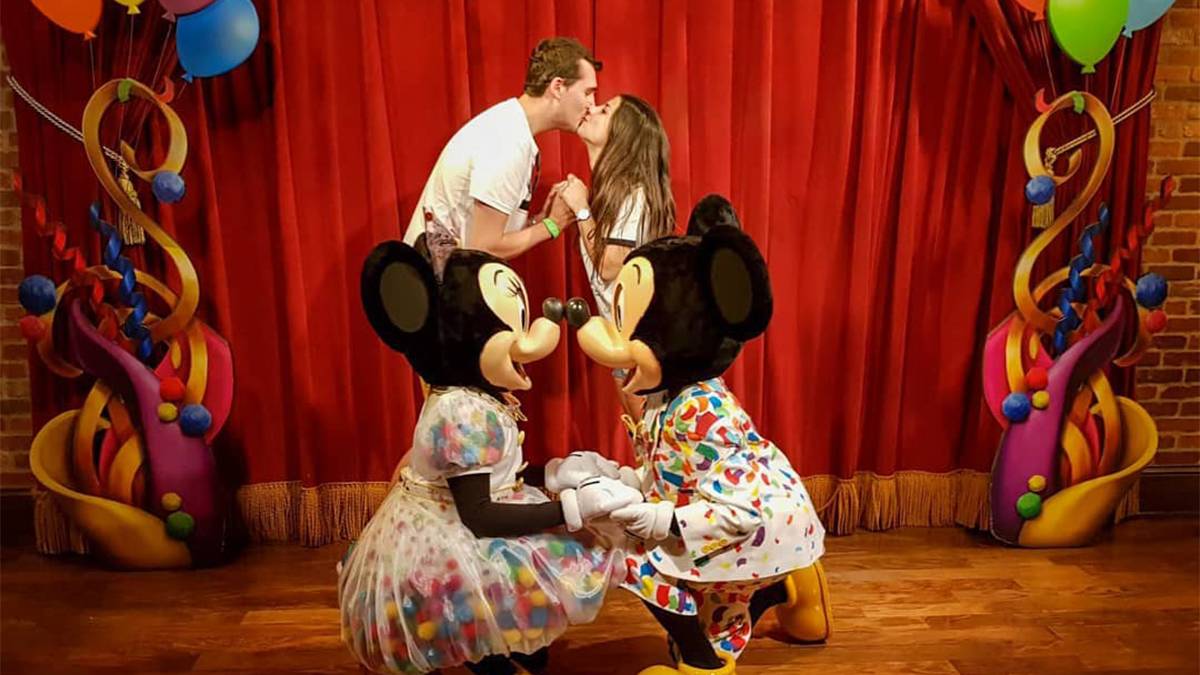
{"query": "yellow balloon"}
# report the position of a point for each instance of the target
(132, 5)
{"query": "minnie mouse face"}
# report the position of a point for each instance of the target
(682, 307)
(472, 329)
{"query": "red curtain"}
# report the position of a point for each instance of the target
(872, 149)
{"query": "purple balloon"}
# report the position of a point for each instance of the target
(178, 7)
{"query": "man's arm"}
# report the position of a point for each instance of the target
(486, 232)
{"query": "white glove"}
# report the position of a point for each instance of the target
(595, 497)
(569, 472)
(630, 477)
(647, 521)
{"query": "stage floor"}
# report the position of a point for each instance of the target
(905, 601)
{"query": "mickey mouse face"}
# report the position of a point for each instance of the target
(682, 307)
(471, 329)
(611, 343)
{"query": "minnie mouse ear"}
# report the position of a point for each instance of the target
(734, 277)
(399, 293)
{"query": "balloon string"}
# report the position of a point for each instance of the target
(162, 52)
(1042, 31)
(128, 74)
(1120, 67)
(92, 61)
(129, 52)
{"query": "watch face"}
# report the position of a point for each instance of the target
(583, 214)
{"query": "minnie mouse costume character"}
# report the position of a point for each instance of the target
(456, 566)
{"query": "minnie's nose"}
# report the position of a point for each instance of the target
(552, 308)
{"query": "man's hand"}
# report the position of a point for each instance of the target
(553, 195)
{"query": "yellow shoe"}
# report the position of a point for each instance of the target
(685, 669)
(806, 616)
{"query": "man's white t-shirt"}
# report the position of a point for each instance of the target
(492, 159)
(627, 231)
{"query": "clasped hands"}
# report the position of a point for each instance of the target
(591, 487)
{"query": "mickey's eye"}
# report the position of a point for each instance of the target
(618, 305)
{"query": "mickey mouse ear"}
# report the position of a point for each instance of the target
(734, 276)
(711, 211)
(398, 294)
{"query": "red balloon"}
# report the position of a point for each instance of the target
(1038, 7)
(77, 16)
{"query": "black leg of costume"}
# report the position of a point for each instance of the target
(694, 647)
(492, 665)
(766, 598)
(535, 662)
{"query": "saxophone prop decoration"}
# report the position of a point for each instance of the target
(133, 468)
(1071, 449)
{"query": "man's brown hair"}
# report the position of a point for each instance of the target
(556, 57)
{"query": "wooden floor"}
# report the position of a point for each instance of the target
(906, 601)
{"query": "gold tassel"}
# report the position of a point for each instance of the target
(1043, 215)
(131, 233)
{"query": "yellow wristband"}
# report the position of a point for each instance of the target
(551, 227)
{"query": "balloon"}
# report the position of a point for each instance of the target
(77, 16)
(1038, 7)
(180, 7)
(1086, 29)
(132, 5)
(217, 38)
(1142, 13)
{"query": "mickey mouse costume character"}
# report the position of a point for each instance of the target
(727, 530)
(455, 566)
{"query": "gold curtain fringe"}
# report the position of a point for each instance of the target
(315, 516)
(54, 533)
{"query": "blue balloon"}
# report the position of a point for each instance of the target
(37, 294)
(1016, 407)
(1104, 216)
(1039, 190)
(168, 187)
(216, 39)
(1142, 13)
(1151, 290)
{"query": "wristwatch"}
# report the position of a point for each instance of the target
(583, 214)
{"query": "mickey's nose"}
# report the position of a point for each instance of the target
(577, 312)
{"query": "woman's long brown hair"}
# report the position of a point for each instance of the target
(637, 155)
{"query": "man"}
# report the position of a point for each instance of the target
(483, 181)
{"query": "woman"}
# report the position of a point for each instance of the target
(630, 202)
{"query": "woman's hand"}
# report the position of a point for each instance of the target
(575, 194)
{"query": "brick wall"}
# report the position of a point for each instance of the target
(1169, 378)
(15, 432)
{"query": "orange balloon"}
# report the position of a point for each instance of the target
(77, 16)
(1038, 7)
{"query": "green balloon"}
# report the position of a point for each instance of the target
(1087, 29)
